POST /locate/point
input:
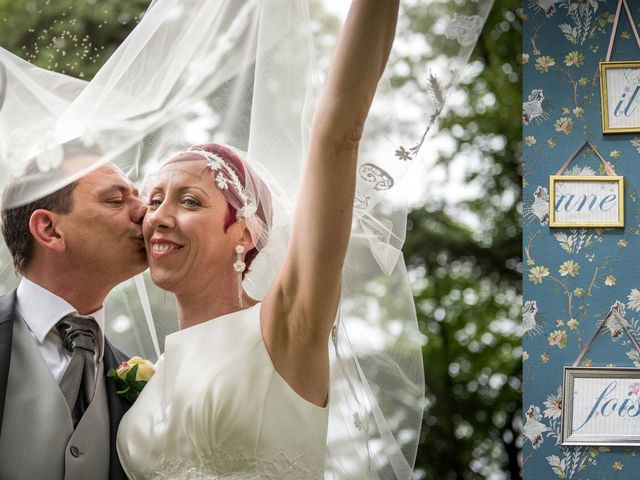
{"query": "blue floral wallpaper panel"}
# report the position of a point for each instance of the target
(574, 276)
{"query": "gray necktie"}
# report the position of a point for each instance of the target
(79, 335)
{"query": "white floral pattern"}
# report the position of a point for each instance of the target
(548, 7)
(529, 311)
(582, 14)
(465, 29)
(633, 300)
(533, 108)
(615, 321)
(533, 428)
(234, 465)
(554, 405)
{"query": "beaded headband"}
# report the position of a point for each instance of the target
(226, 176)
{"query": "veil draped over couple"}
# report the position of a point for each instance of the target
(253, 181)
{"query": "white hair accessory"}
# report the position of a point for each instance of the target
(247, 212)
(227, 176)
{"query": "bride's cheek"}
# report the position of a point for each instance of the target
(148, 223)
(147, 230)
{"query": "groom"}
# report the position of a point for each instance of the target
(71, 247)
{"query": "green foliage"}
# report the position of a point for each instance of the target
(69, 36)
(127, 387)
(467, 279)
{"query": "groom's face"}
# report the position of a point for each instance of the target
(103, 231)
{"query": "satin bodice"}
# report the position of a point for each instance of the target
(217, 409)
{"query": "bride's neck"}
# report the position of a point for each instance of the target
(199, 307)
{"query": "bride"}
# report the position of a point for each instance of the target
(242, 389)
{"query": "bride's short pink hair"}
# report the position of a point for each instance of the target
(242, 170)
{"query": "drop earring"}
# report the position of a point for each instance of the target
(239, 267)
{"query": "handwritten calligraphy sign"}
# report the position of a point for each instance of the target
(601, 406)
(620, 96)
(586, 201)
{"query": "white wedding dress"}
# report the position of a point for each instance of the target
(217, 409)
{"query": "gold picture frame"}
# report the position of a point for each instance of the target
(589, 209)
(620, 96)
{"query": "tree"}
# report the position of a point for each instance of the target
(68, 36)
(468, 277)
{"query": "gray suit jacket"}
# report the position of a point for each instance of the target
(112, 358)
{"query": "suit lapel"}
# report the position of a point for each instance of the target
(7, 314)
(117, 408)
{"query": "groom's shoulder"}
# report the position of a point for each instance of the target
(7, 306)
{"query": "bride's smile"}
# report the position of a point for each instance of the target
(161, 247)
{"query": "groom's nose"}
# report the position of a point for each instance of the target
(138, 212)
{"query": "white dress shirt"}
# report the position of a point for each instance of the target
(41, 311)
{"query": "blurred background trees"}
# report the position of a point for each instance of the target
(463, 240)
(68, 36)
(464, 250)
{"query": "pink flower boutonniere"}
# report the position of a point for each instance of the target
(131, 377)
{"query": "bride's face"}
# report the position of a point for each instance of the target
(184, 228)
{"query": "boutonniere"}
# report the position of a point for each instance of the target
(131, 377)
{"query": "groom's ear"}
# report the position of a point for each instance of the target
(43, 227)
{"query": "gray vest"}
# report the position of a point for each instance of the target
(38, 440)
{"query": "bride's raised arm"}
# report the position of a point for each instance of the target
(304, 298)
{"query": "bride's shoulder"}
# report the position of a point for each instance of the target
(159, 362)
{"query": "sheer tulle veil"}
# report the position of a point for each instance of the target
(245, 74)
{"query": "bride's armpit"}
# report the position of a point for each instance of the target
(304, 369)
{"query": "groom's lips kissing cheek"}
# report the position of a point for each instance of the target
(161, 247)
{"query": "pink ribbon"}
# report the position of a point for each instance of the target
(615, 27)
(607, 167)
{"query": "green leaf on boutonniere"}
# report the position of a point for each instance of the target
(125, 376)
(131, 375)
